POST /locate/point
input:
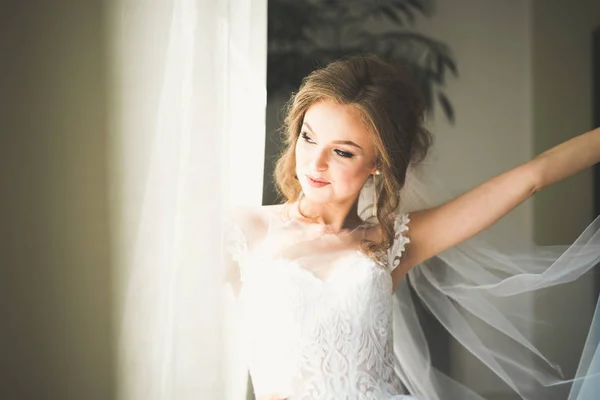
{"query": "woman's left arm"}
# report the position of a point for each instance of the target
(568, 158)
(434, 230)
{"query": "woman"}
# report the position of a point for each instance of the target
(315, 279)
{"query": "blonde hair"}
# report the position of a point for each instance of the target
(392, 112)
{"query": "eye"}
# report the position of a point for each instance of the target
(344, 154)
(306, 138)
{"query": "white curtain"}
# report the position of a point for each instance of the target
(187, 139)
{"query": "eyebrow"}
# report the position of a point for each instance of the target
(347, 142)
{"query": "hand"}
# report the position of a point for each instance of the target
(271, 397)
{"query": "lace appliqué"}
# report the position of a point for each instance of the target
(400, 240)
(314, 339)
(236, 246)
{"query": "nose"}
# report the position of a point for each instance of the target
(320, 161)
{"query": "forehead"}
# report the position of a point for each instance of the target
(337, 122)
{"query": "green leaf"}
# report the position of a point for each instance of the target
(389, 13)
(446, 106)
(399, 5)
(298, 42)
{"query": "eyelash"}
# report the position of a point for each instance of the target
(343, 154)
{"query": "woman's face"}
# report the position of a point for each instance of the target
(334, 153)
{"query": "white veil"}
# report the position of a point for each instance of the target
(479, 296)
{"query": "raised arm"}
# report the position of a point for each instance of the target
(437, 229)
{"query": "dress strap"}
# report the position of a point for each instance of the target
(400, 240)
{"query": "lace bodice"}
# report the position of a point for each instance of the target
(316, 313)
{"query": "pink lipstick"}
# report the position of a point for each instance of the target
(316, 183)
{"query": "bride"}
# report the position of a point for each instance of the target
(315, 277)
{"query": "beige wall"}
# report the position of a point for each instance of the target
(55, 334)
(492, 97)
(562, 108)
(525, 86)
(491, 44)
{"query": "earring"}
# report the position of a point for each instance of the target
(374, 211)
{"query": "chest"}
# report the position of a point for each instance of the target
(303, 294)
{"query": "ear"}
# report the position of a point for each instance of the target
(376, 163)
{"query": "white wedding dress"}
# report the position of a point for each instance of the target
(316, 312)
(319, 320)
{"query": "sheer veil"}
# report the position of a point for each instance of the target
(481, 296)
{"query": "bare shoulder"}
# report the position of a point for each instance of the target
(249, 216)
(254, 221)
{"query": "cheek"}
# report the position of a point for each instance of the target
(300, 156)
(352, 176)
(300, 146)
(298, 151)
(304, 154)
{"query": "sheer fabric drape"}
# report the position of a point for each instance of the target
(482, 297)
(188, 99)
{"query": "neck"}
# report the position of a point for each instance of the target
(335, 216)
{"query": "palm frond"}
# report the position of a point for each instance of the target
(304, 35)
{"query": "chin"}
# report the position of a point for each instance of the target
(317, 197)
(317, 194)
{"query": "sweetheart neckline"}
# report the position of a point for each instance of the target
(357, 256)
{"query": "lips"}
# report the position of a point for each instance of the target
(316, 180)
